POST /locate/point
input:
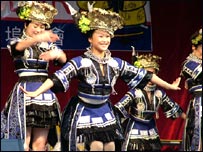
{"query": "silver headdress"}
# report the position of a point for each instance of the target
(97, 18)
(36, 11)
(148, 61)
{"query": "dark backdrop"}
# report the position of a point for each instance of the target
(173, 22)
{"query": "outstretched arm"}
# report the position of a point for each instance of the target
(174, 86)
(45, 36)
(44, 87)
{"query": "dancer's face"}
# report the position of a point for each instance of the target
(34, 28)
(100, 40)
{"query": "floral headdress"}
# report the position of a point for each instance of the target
(97, 18)
(148, 61)
(197, 38)
(36, 11)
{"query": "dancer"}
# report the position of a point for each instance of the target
(139, 108)
(192, 72)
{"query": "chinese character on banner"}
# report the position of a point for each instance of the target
(12, 32)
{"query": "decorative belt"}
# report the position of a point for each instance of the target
(33, 79)
(89, 104)
(146, 115)
(30, 64)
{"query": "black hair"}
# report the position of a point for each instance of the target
(27, 22)
(89, 33)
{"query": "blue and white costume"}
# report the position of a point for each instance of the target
(90, 113)
(192, 71)
(139, 112)
(21, 111)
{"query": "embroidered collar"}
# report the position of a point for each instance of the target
(104, 60)
(150, 87)
(194, 58)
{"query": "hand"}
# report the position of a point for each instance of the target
(29, 94)
(186, 85)
(176, 83)
(50, 55)
(47, 36)
(157, 115)
(183, 116)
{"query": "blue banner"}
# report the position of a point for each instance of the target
(136, 32)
